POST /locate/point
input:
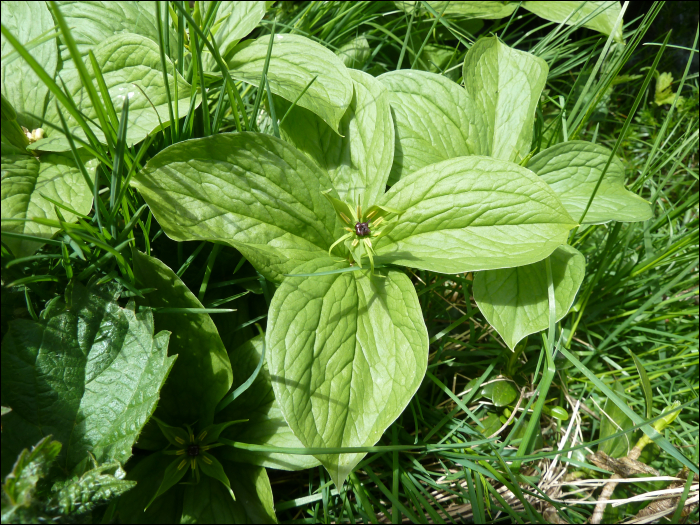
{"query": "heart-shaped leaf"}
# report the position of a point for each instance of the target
(117, 367)
(347, 351)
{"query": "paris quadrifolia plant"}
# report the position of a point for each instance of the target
(347, 344)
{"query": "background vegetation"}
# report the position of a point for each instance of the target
(633, 328)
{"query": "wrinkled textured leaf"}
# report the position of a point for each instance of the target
(603, 22)
(148, 474)
(249, 190)
(503, 88)
(99, 485)
(20, 485)
(202, 373)
(234, 20)
(359, 159)
(473, 213)
(573, 169)
(126, 61)
(25, 182)
(27, 21)
(294, 62)
(485, 10)
(90, 376)
(346, 354)
(355, 53)
(92, 23)
(515, 301)
(266, 425)
(431, 120)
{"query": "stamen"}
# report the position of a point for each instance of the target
(180, 452)
(371, 214)
(355, 242)
(202, 435)
(344, 217)
(179, 440)
(377, 222)
(193, 463)
(182, 464)
(206, 460)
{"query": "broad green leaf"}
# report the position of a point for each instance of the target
(473, 213)
(615, 421)
(202, 373)
(26, 181)
(266, 425)
(503, 88)
(90, 376)
(249, 190)
(346, 353)
(603, 22)
(234, 20)
(573, 169)
(20, 485)
(92, 23)
(27, 21)
(148, 474)
(485, 10)
(515, 301)
(126, 61)
(358, 160)
(355, 53)
(294, 62)
(210, 502)
(253, 492)
(431, 120)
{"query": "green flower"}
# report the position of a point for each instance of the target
(363, 228)
(192, 454)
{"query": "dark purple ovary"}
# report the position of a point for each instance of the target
(362, 229)
(193, 450)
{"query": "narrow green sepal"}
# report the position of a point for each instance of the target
(343, 210)
(214, 469)
(172, 476)
(376, 211)
(212, 432)
(336, 243)
(176, 436)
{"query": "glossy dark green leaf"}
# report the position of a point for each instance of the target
(202, 373)
(117, 368)
(266, 424)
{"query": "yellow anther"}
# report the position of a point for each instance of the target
(180, 452)
(180, 440)
(206, 460)
(201, 436)
(344, 217)
(182, 464)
